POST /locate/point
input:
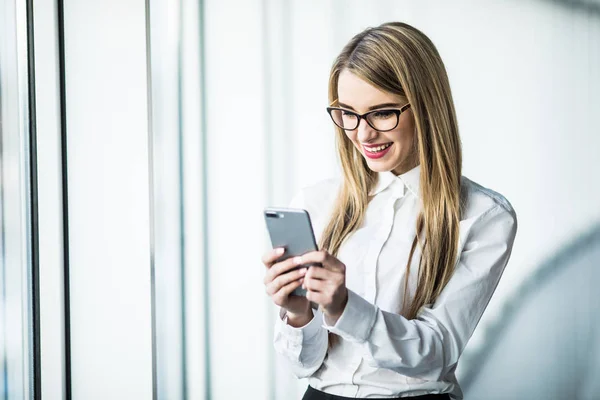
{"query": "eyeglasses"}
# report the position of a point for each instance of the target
(382, 120)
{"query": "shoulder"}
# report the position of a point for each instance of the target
(480, 203)
(488, 224)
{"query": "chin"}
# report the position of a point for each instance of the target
(378, 167)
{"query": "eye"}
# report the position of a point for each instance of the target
(348, 114)
(383, 114)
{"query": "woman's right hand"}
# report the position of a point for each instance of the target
(280, 281)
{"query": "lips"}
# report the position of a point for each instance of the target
(381, 150)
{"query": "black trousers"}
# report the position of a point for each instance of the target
(314, 394)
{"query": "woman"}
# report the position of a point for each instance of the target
(412, 251)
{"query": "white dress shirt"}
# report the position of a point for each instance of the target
(381, 353)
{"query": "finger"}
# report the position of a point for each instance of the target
(281, 296)
(271, 256)
(283, 279)
(313, 257)
(285, 266)
(314, 285)
(321, 273)
(279, 268)
(316, 297)
(325, 259)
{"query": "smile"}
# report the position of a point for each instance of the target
(377, 151)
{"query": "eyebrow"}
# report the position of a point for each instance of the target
(372, 107)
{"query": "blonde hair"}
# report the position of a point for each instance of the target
(401, 60)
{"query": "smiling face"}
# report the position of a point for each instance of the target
(360, 96)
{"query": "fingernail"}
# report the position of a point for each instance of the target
(303, 271)
(298, 260)
(279, 251)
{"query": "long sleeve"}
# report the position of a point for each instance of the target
(305, 347)
(429, 346)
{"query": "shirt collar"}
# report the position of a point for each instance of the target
(406, 181)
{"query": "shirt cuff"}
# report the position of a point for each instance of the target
(357, 320)
(298, 335)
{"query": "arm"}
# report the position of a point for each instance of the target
(305, 347)
(429, 346)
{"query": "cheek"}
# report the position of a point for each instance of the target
(405, 133)
(402, 137)
(351, 135)
(406, 125)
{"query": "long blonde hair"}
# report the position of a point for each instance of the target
(400, 59)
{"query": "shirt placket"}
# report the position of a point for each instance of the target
(382, 235)
(374, 249)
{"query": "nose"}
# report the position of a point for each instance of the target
(364, 132)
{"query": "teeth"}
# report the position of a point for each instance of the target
(378, 148)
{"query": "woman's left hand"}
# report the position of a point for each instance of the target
(325, 286)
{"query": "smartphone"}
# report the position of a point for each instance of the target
(291, 229)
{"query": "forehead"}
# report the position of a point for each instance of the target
(360, 94)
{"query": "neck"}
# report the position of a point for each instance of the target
(406, 166)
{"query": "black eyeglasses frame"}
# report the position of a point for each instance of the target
(364, 116)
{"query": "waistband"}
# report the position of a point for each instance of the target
(315, 394)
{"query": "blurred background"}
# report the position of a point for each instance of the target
(140, 141)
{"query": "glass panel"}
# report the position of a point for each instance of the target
(164, 36)
(16, 355)
(178, 199)
(49, 164)
(108, 199)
